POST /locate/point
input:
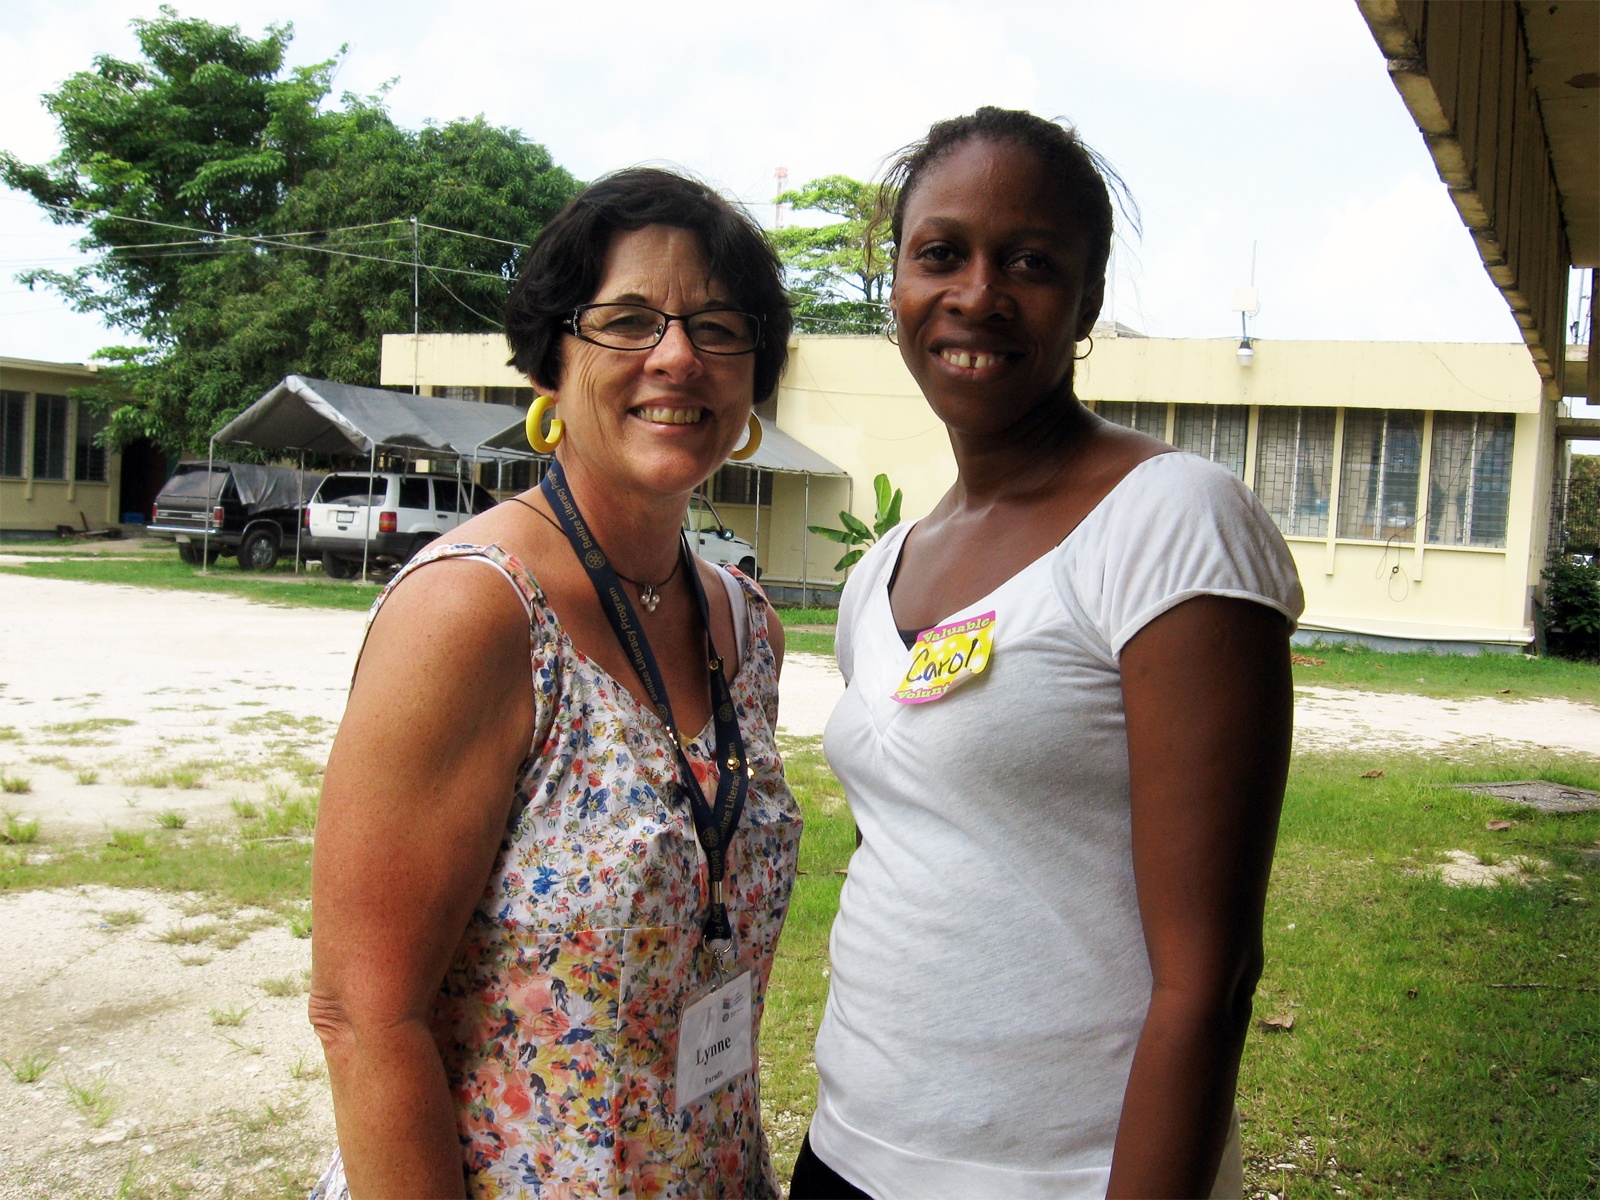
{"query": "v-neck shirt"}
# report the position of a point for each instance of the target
(989, 971)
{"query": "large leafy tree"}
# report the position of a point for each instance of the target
(839, 271)
(244, 229)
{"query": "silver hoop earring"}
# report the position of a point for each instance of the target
(1086, 353)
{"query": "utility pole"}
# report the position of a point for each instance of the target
(782, 176)
(416, 292)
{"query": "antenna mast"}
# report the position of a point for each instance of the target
(781, 175)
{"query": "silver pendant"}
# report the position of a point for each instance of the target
(650, 598)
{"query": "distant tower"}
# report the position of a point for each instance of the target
(782, 176)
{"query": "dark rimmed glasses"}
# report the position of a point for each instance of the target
(640, 327)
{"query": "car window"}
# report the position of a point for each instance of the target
(349, 489)
(444, 495)
(413, 493)
(482, 499)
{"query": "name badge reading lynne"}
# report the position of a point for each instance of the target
(945, 657)
(714, 1039)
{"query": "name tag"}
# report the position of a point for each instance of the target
(714, 1039)
(945, 657)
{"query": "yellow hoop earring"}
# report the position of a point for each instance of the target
(535, 427)
(751, 443)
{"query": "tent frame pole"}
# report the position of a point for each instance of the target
(366, 542)
(205, 534)
(805, 545)
(757, 547)
(300, 505)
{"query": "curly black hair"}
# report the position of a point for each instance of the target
(566, 262)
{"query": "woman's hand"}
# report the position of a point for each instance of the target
(1209, 704)
(414, 806)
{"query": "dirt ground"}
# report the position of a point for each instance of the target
(118, 704)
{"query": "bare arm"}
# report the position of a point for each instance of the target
(1209, 709)
(414, 805)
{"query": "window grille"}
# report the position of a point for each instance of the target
(1379, 473)
(1294, 468)
(89, 459)
(521, 396)
(459, 393)
(1469, 478)
(737, 485)
(514, 476)
(1214, 431)
(13, 427)
(1142, 415)
(50, 437)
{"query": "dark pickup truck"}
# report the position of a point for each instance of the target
(232, 508)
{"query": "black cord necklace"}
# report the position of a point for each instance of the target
(649, 593)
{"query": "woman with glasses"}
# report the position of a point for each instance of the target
(1064, 740)
(555, 848)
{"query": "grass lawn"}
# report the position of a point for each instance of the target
(1422, 1060)
(164, 570)
(1513, 675)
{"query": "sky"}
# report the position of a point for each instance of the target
(1240, 126)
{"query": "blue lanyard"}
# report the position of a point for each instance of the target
(713, 823)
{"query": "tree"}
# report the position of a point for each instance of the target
(839, 273)
(244, 230)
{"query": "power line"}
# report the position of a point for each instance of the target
(462, 302)
(274, 240)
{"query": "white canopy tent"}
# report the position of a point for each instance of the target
(322, 417)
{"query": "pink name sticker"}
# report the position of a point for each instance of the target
(946, 657)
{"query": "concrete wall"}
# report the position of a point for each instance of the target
(852, 400)
(32, 505)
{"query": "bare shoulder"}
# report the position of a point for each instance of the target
(450, 616)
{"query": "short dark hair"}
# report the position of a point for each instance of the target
(565, 265)
(1082, 175)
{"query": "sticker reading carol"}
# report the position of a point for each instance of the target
(945, 656)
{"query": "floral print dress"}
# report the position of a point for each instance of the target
(557, 1021)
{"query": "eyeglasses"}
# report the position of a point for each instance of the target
(639, 327)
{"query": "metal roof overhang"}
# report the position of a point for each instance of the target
(323, 417)
(778, 452)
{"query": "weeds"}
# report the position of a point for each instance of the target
(303, 1072)
(15, 785)
(300, 925)
(231, 1016)
(9, 733)
(87, 725)
(121, 918)
(286, 985)
(125, 843)
(171, 818)
(195, 960)
(189, 935)
(244, 809)
(277, 721)
(241, 1047)
(16, 831)
(86, 776)
(92, 1101)
(28, 1069)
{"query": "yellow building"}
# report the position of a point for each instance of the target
(52, 471)
(1411, 480)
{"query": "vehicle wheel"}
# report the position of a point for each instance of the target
(194, 553)
(747, 566)
(418, 543)
(258, 551)
(336, 566)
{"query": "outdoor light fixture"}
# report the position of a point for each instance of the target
(1247, 303)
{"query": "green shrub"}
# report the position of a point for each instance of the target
(1572, 609)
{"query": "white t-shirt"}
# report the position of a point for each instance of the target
(990, 977)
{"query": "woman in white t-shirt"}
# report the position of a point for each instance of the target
(1065, 739)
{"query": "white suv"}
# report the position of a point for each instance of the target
(714, 541)
(399, 514)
